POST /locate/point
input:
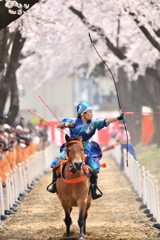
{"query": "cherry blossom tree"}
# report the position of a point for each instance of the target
(123, 49)
(135, 64)
(126, 34)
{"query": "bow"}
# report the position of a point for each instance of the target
(120, 109)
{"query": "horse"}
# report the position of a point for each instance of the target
(73, 185)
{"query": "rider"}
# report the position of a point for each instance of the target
(85, 127)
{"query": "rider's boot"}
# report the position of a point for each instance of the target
(93, 180)
(53, 189)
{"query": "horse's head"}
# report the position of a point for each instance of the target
(75, 151)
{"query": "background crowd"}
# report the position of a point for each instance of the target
(18, 142)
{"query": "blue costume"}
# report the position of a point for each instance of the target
(91, 149)
(86, 131)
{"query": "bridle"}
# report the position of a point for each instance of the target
(68, 160)
(80, 144)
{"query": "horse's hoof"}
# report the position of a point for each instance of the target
(81, 237)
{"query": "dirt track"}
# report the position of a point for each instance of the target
(115, 216)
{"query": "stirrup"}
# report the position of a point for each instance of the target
(94, 194)
(53, 189)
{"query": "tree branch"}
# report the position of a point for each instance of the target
(146, 32)
(100, 32)
(157, 32)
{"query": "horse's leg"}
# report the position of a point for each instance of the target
(70, 210)
(67, 220)
(82, 207)
(81, 225)
(85, 216)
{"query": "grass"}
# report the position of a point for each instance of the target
(149, 156)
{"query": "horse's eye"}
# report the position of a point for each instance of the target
(69, 150)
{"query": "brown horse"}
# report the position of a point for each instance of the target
(73, 187)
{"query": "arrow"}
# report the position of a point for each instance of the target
(48, 108)
(45, 121)
(51, 111)
(148, 113)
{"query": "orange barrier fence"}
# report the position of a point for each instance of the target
(21, 179)
(18, 155)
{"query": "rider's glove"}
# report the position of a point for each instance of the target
(121, 117)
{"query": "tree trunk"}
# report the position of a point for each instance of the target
(145, 94)
(136, 107)
(158, 101)
(6, 82)
(4, 35)
(125, 93)
(14, 102)
(154, 74)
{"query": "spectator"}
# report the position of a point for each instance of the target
(1, 130)
(36, 138)
(113, 131)
(7, 128)
(4, 157)
(42, 125)
(2, 119)
(29, 124)
(121, 138)
(16, 145)
(2, 146)
(15, 123)
(20, 139)
(21, 123)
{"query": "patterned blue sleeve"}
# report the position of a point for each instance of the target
(100, 123)
(69, 120)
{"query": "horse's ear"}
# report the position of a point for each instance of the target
(67, 138)
(80, 139)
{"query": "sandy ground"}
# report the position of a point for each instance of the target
(115, 216)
